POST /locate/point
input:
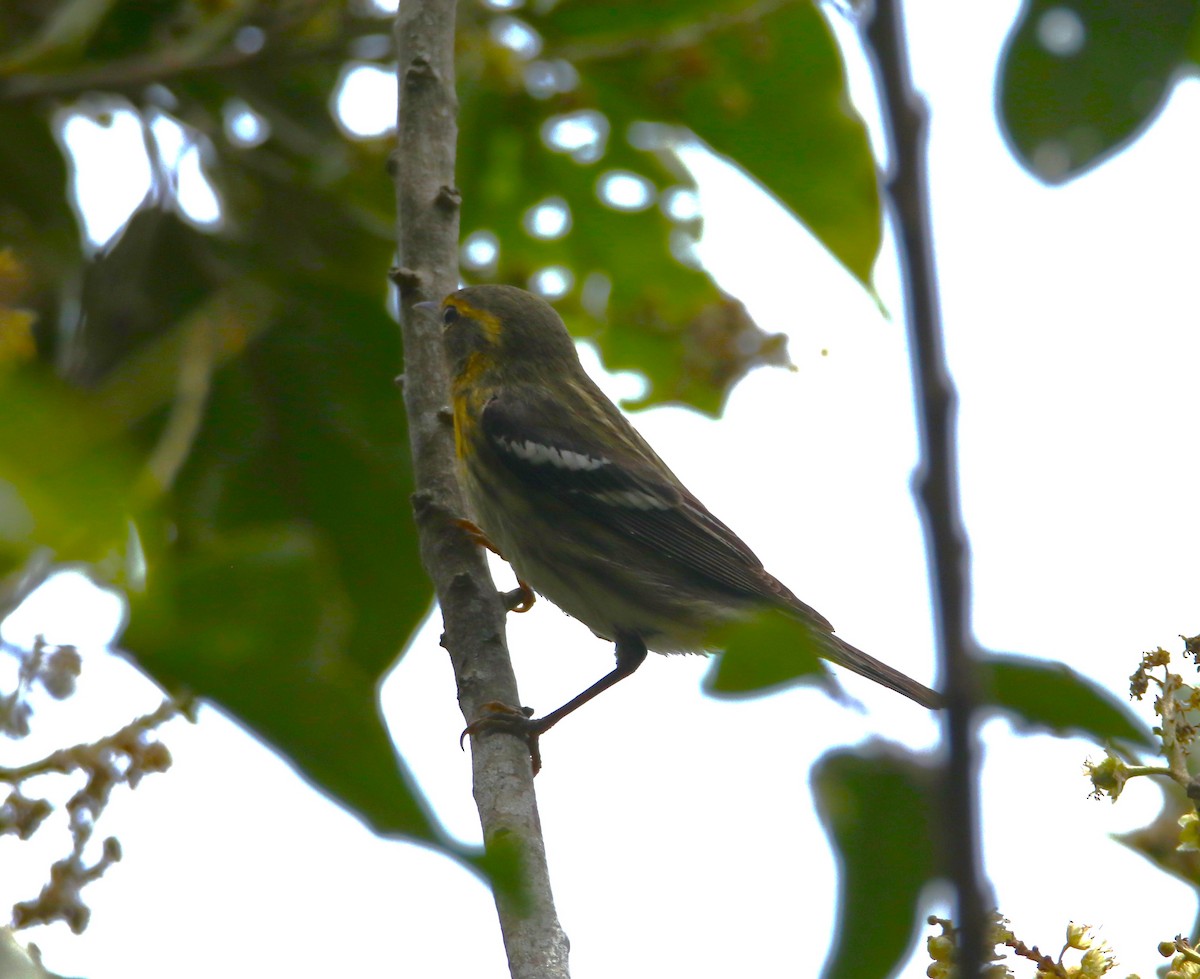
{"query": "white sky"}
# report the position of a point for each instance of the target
(680, 829)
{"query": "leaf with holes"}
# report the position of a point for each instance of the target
(1080, 82)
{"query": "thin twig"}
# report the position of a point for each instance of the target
(936, 482)
(1045, 964)
(427, 212)
(193, 382)
(208, 50)
(207, 45)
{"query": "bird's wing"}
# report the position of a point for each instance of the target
(615, 479)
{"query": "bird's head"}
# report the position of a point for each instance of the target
(490, 326)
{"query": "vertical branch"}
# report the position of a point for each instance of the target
(906, 121)
(427, 247)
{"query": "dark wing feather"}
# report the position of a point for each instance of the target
(620, 483)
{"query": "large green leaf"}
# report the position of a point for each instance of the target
(878, 806)
(282, 574)
(1047, 697)
(244, 381)
(1079, 82)
(290, 580)
(663, 318)
(260, 623)
(760, 83)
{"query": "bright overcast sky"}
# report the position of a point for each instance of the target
(680, 830)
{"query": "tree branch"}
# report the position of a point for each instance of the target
(427, 210)
(207, 49)
(906, 121)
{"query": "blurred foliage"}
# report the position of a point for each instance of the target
(1079, 82)
(1045, 697)
(202, 409)
(207, 414)
(879, 806)
(610, 89)
(763, 654)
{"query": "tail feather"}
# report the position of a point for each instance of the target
(842, 653)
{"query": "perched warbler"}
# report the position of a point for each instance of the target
(564, 489)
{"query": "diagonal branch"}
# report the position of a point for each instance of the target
(906, 121)
(427, 210)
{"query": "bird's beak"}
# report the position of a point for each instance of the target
(428, 307)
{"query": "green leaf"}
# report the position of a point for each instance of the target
(877, 803)
(1079, 83)
(1051, 698)
(287, 625)
(761, 84)
(292, 580)
(662, 318)
(64, 478)
(258, 623)
(764, 653)
(283, 575)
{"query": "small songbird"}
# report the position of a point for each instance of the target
(565, 489)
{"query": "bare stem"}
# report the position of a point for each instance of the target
(427, 269)
(1174, 717)
(906, 121)
(1045, 964)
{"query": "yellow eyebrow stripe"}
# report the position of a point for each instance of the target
(489, 321)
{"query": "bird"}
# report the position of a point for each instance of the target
(562, 486)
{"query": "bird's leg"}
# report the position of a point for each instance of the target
(521, 598)
(630, 653)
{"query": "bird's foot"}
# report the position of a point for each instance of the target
(521, 598)
(506, 719)
(476, 535)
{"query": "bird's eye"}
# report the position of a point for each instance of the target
(449, 315)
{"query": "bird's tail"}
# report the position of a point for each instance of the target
(842, 653)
